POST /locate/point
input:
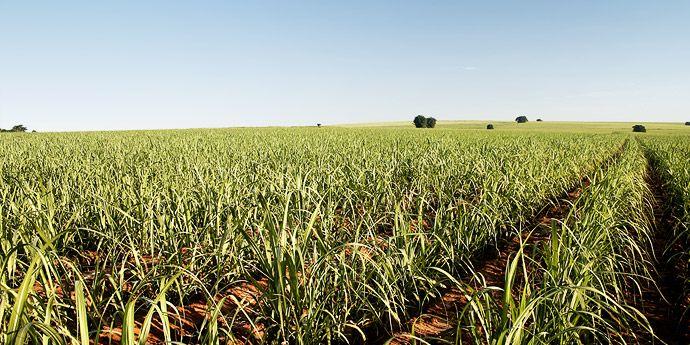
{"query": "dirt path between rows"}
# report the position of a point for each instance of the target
(186, 320)
(665, 305)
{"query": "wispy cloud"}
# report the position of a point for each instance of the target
(469, 68)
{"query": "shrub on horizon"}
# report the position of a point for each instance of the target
(521, 119)
(639, 129)
(419, 121)
(430, 122)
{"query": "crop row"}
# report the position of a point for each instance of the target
(575, 287)
(669, 156)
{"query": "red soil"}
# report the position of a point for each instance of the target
(186, 321)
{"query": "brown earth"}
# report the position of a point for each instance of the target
(665, 304)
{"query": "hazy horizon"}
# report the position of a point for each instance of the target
(80, 65)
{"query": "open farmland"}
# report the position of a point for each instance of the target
(346, 235)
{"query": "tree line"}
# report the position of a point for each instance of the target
(16, 128)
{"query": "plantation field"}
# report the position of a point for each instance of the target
(537, 233)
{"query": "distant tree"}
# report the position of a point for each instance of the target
(639, 128)
(318, 125)
(419, 121)
(687, 123)
(539, 120)
(489, 126)
(18, 128)
(521, 119)
(34, 131)
(430, 122)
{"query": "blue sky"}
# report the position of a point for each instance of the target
(77, 65)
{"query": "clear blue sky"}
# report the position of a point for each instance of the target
(73, 65)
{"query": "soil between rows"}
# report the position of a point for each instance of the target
(665, 304)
